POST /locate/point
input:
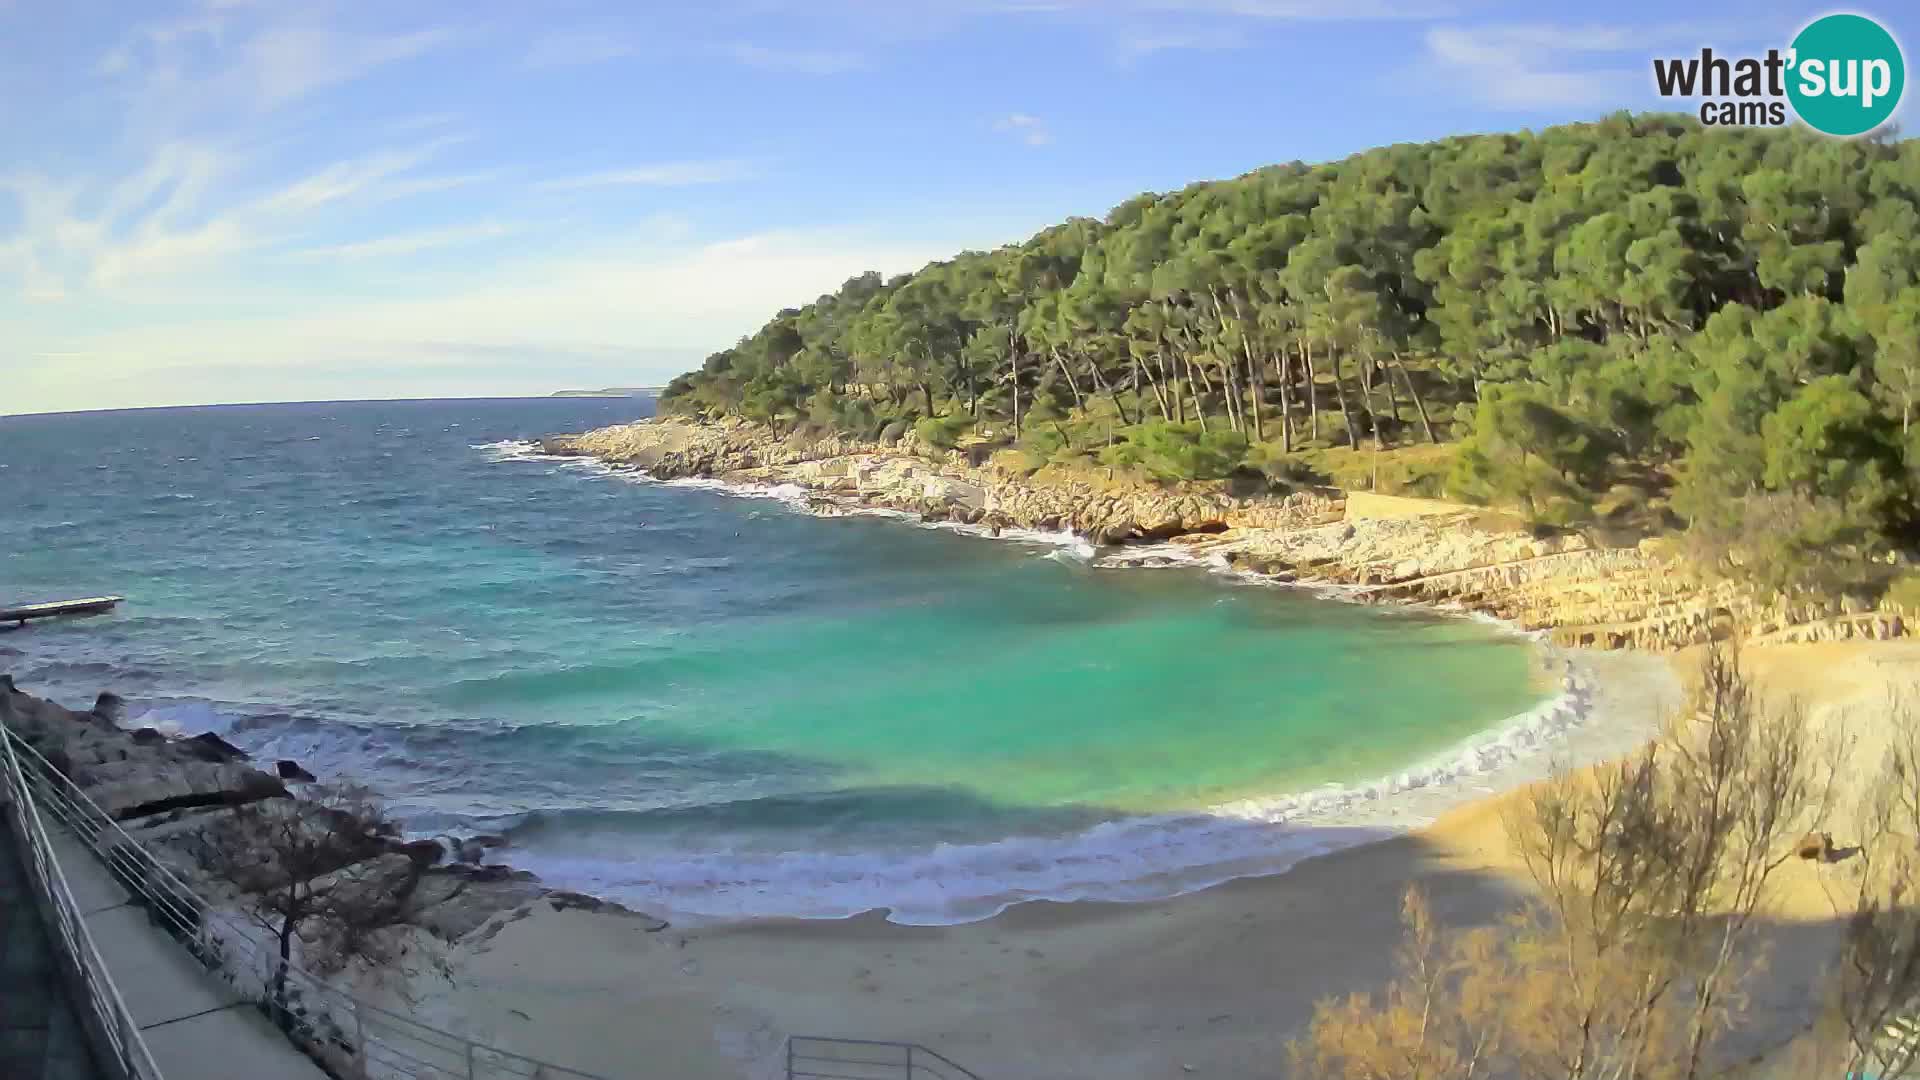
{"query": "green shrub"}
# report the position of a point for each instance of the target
(1041, 443)
(1181, 451)
(1904, 593)
(943, 431)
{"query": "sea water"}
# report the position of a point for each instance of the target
(705, 701)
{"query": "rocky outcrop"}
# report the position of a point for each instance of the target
(166, 792)
(936, 485)
(1582, 592)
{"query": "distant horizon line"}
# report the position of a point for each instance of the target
(557, 395)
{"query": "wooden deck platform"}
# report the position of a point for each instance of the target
(92, 605)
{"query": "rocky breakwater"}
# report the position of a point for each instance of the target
(168, 792)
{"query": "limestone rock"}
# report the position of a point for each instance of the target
(1816, 846)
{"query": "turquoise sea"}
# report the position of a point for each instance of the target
(709, 704)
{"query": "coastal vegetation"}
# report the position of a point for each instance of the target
(1640, 950)
(1639, 323)
(312, 869)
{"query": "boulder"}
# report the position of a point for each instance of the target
(1817, 846)
(110, 708)
(142, 787)
(291, 770)
(474, 848)
(454, 901)
(212, 748)
(423, 853)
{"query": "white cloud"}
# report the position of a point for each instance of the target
(1502, 66)
(239, 60)
(346, 179)
(1139, 44)
(799, 61)
(164, 216)
(634, 296)
(409, 243)
(1310, 9)
(1548, 66)
(1247, 9)
(1030, 129)
(280, 64)
(659, 174)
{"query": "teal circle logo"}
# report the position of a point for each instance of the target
(1846, 75)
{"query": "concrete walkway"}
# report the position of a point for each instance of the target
(40, 1033)
(197, 1027)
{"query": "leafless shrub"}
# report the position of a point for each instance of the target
(320, 869)
(1873, 1025)
(1636, 957)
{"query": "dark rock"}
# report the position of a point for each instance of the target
(110, 707)
(291, 770)
(1816, 846)
(252, 786)
(147, 736)
(563, 900)
(499, 872)
(474, 848)
(423, 852)
(212, 748)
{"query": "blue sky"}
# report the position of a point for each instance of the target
(225, 200)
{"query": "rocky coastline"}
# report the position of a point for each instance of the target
(166, 791)
(1579, 590)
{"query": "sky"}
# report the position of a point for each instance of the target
(227, 200)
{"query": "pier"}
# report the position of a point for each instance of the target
(92, 605)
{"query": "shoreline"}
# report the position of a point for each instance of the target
(1210, 981)
(1568, 729)
(1213, 982)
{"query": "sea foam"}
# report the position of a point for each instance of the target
(1143, 857)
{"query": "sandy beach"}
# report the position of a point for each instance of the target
(1211, 984)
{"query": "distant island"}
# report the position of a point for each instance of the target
(612, 392)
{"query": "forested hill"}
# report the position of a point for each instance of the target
(1640, 318)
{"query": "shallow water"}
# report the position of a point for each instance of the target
(704, 703)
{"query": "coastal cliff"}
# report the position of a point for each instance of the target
(1577, 588)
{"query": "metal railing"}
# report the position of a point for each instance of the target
(115, 1036)
(816, 1058)
(347, 1034)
